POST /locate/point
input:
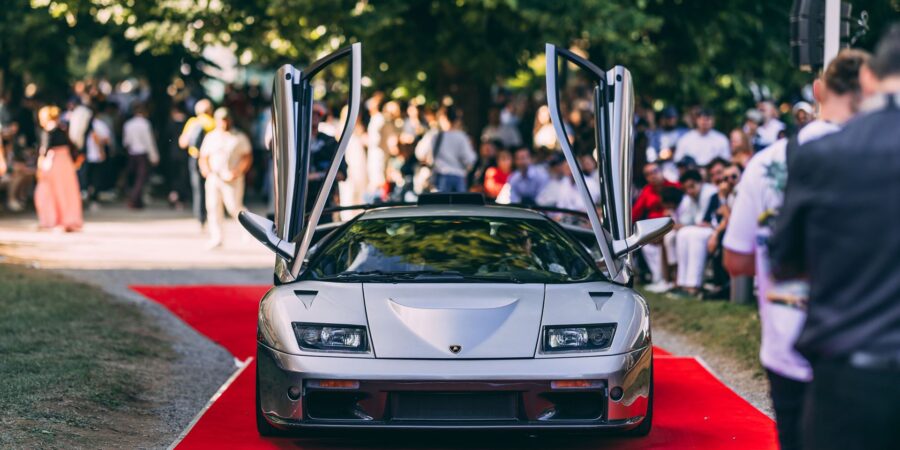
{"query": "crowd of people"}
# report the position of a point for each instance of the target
(209, 157)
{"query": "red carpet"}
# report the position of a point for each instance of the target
(693, 409)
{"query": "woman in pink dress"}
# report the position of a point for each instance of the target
(57, 197)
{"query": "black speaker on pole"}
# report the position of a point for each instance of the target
(808, 32)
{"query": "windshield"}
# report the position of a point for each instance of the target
(490, 249)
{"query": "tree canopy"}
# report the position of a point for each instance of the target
(679, 51)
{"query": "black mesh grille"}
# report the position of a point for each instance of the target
(454, 406)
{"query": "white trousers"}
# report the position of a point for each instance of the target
(653, 254)
(690, 244)
(221, 195)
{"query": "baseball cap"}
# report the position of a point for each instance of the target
(754, 115)
(803, 106)
(687, 161)
(669, 112)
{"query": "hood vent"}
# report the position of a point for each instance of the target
(306, 297)
(600, 299)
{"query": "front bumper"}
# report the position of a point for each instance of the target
(474, 394)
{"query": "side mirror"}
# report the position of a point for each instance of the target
(645, 232)
(264, 231)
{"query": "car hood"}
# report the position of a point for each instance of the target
(448, 320)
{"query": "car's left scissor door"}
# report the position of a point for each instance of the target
(292, 120)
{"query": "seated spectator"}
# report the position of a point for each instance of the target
(20, 167)
(544, 133)
(591, 171)
(487, 157)
(803, 114)
(692, 234)
(505, 133)
(741, 150)
(495, 177)
(527, 182)
(686, 164)
(650, 205)
(754, 119)
(715, 168)
(560, 190)
(704, 143)
(771, 128)
(716, 216)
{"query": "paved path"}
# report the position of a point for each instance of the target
(118, 248)
(117, 238)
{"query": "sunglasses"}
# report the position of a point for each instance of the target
(731, 177)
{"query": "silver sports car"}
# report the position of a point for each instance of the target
(453, 313)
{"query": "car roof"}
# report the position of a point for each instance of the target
(396, 212)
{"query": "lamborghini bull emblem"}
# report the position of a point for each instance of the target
(455, 349)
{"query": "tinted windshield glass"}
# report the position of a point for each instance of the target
(453, 248)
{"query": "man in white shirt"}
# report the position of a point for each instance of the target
(703, 143)
(138, 140)
(225, 157)
(759, 198)
(528, 180)
(692, 234)
(560, 190)
(93, 136)
(376, 161)
(771, 126)
(449, 153)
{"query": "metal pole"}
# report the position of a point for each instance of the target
(832, 30)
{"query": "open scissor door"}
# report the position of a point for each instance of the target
(291, 234)
(613, 106)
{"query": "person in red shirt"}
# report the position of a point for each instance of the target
(650, 205)
(495, 177)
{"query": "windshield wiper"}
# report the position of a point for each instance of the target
(418, 275)
(365, 274)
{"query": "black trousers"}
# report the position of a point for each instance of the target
(850, 408)
(138, 170)
(787, 399)
(198, 187)
(93, 179)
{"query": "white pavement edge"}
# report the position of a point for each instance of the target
(241, 365)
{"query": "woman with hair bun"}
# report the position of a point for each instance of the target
(57, 197)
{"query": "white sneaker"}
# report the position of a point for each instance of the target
(15, 206)
(659, 287)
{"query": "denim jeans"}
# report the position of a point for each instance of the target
(198, 188)
(449, 183)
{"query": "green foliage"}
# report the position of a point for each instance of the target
(31, 45)
(682, 52)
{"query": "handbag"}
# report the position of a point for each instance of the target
(435, 150)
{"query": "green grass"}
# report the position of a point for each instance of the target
(71, 357)
(728, 329)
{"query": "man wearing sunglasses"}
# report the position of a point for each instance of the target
(717, 215)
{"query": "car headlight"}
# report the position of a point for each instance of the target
(578, 337)
(331, 338)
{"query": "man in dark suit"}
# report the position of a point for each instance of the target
(839, 228)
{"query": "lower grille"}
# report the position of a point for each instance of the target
(454, 405)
